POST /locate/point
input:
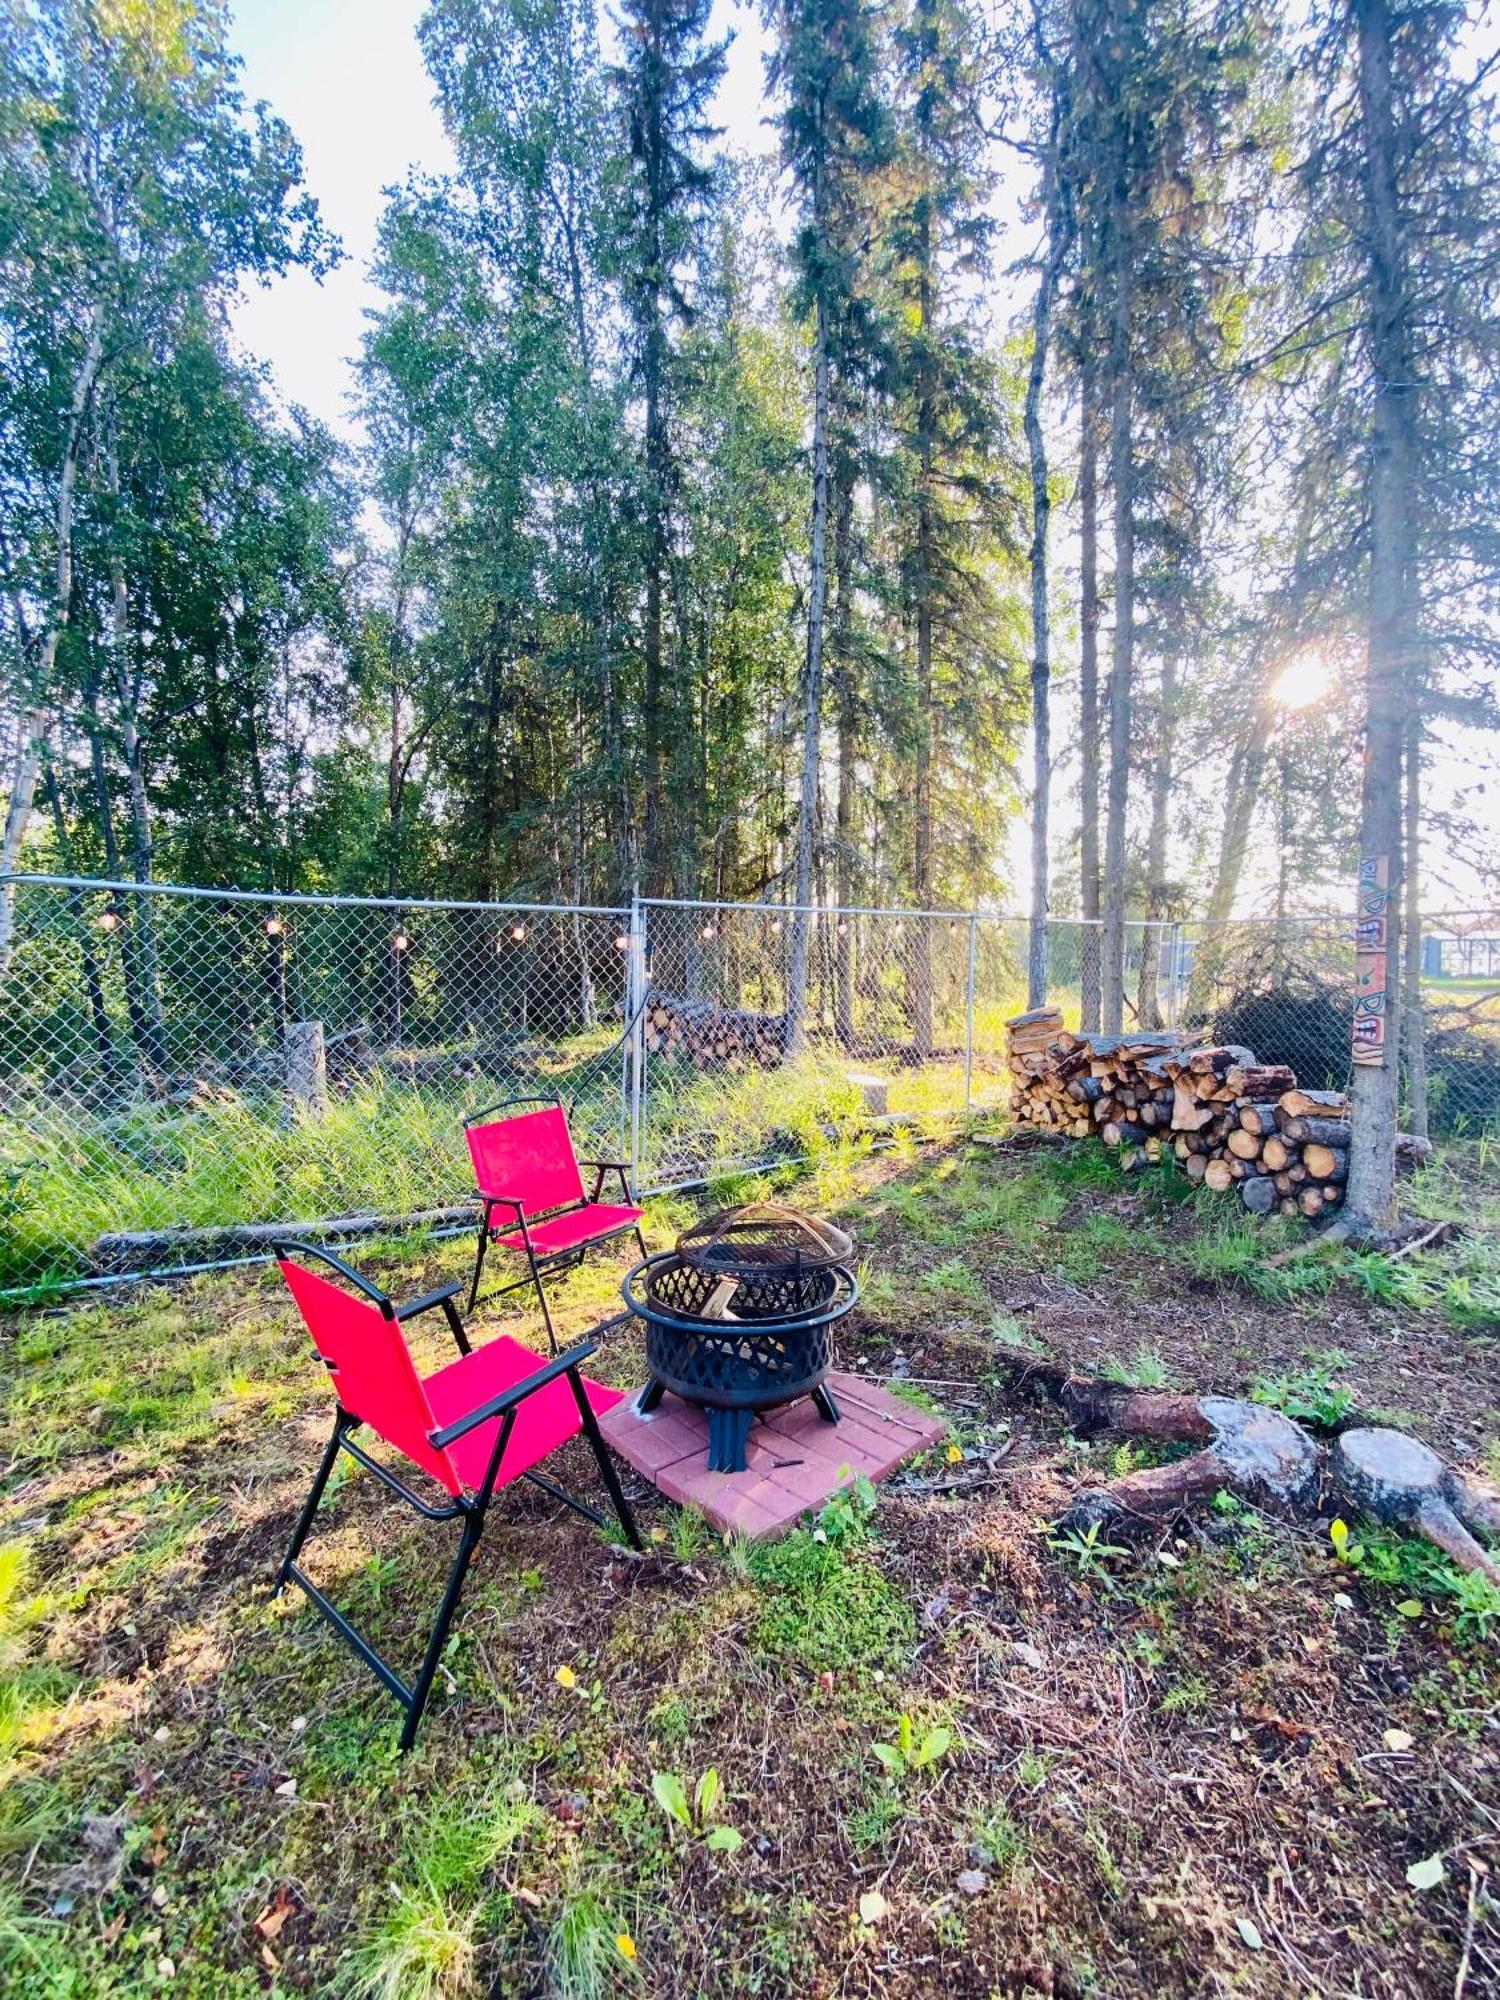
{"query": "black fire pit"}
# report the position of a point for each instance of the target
(740, 1317)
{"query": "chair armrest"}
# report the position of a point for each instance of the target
(603, 1167)
(429, 1299)
(497, 1406)
(290, 1248)
(500, 1201)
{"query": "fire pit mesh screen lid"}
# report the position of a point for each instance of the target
(746, 1242)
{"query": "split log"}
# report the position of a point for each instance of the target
(1259, 1118)
(1314, 1103)
(1326, 1163)
(1258, 1193)
(1275, 1153)
(1261, 1081)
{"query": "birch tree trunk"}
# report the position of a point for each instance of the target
(1370, 1201)
(1088, 689)
(848, 728)
(1413, 1013)
(812, 692)
(34, 717)
(127, 693)
(1147, 1004)
(1122, 665)
(1041, 654)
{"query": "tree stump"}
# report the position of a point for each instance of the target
(306, 1069)
(1403, 1483)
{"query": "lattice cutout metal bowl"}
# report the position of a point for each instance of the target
(703, 1346)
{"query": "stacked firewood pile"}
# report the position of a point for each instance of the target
(707, 1036)
(1231, 1121)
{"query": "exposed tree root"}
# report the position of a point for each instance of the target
(1263, 1456)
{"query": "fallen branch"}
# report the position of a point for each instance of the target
(127, 1250)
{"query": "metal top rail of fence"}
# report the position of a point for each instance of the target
(186, 1072)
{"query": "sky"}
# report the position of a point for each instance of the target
(347, 76)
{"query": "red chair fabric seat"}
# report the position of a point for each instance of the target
(575, 1227)
(527, 1172)
(544, 1421)
(477, 1424)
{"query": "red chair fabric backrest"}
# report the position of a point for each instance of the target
(371, 1368)
(529, 1157)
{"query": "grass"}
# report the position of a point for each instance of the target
(156, 1448)
(69, 1176)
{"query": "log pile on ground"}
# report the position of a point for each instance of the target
(707, 1036)
(1231, 1121)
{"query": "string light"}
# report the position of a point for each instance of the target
(400, 942)
(622, 942)
(708, 931)
(843, 927)
(518, 932)
(273, 927)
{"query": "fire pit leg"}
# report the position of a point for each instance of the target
(824, 1404)
(650, 1396)
(728, 1434)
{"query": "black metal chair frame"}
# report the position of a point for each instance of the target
(546, 1263)
(470, 1510)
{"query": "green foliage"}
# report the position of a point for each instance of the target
(1310, 1394)
(1146, 1370)
(584, 1959)
(1085, 1549)
(913, 1750)
(697, 1817)
(826, 1600)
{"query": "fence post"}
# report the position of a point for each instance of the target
(969, 1017)
(636, 1005)
(1174, 973)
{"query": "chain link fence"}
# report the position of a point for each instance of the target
(183, 1072)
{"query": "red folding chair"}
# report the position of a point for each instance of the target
(486, 1419)
(531, 1178)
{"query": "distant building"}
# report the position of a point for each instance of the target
(1461, 957)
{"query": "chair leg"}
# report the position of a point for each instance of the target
(641, 1243)
(310, 1508)
(473, 1526)
(606, 1464)
(456, 1326)
(541, 1292)
(484, 1244)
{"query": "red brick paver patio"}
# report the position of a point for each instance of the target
(794, 1461)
